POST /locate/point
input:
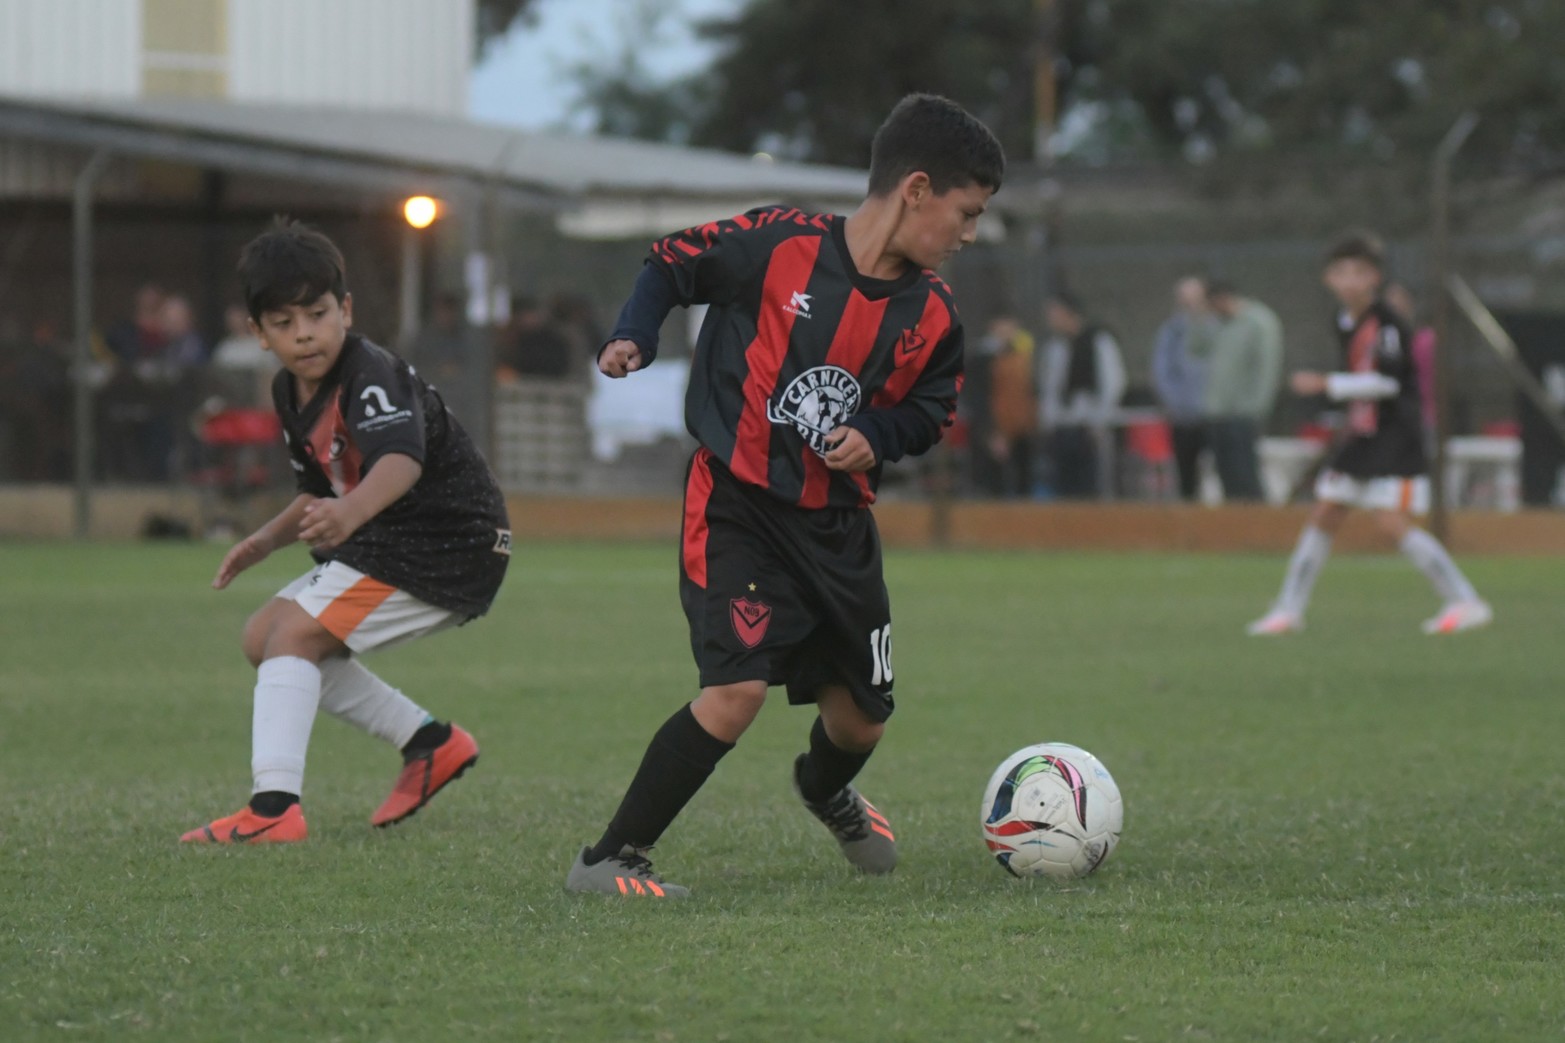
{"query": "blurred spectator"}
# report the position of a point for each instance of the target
(242, 368)
(447, 354)
(141, 335)
(442, 348)
(183, 348)
(1243, 352)
(1002, 411)
(1400, 299)
(35, 404)
(1083, 378)
(574, 316)
(1179, 379)
(532, 345)
(134, 431)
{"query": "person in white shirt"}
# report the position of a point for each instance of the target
(1083, 379)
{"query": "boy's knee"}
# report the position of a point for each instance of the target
(257, 629)
(1393, 524)
(744, 698)
(726, 710)
(856, 736)
(846, 725)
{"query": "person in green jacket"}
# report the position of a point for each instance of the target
(1243, 352)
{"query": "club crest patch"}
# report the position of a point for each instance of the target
(750, 620)
(816, 403)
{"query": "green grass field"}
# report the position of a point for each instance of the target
(1356, 834)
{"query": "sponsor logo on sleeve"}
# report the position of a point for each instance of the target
(378, 410)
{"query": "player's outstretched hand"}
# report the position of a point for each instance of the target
(849, 450)
(619, 357)
(327, 522)
(247, 552)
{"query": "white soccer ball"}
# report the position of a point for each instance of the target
(1052, 810)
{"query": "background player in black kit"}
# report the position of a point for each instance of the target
(814, 318)
(400, 511)
(1379, 465)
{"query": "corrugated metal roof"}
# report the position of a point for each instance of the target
(575, 168)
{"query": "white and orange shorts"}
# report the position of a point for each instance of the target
(362, 612)
(1407, 495)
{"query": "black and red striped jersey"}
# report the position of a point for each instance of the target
(797, 342)
(447, 540)
(1385, 437)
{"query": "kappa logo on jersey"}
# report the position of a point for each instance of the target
(339, 444)
(799, 305)
(908, 346)
(750, 620)
(816, 403)
(388, 414)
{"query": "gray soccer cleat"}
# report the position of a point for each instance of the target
(628, 873)
(862, 832)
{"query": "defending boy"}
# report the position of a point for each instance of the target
(830, 348)
(1379, 466)
(403, 517)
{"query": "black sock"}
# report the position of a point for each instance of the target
(427, 738)
(272, 803)
(827, 768)
(678, 760)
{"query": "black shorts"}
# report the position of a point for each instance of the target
(783, 594)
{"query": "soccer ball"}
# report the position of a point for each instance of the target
(1052, 810)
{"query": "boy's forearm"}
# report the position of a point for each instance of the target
(386, 483)
(641, 319)
(284, 528)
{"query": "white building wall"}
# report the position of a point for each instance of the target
(70, 48)
(412, 55)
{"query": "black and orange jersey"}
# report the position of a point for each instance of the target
(797, 342)
(446, 541)
(1384, 437)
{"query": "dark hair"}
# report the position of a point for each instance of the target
(289, 263)
(936, 135)
(1221, 288)
(1358, 245)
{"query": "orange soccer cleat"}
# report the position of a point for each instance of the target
(424, 774)
(246, 827)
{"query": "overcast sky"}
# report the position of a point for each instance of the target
(524, 79)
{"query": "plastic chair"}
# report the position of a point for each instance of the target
(1149, 447)
(239, 450)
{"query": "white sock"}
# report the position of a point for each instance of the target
(353, 694)
(1309, 555)
(1426, 552)
(287, 692)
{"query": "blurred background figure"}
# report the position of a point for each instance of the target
(1179, 380)
(533, 344)
(573, 315)
(1002, 410)
(1243, 354)
(242, 369)
(35, 403)
(1083, 379)
(446, 354)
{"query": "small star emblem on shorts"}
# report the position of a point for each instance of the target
(752, 586)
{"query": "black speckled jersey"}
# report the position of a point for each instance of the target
(798, 342)
(1385, 437)
(447, 540)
